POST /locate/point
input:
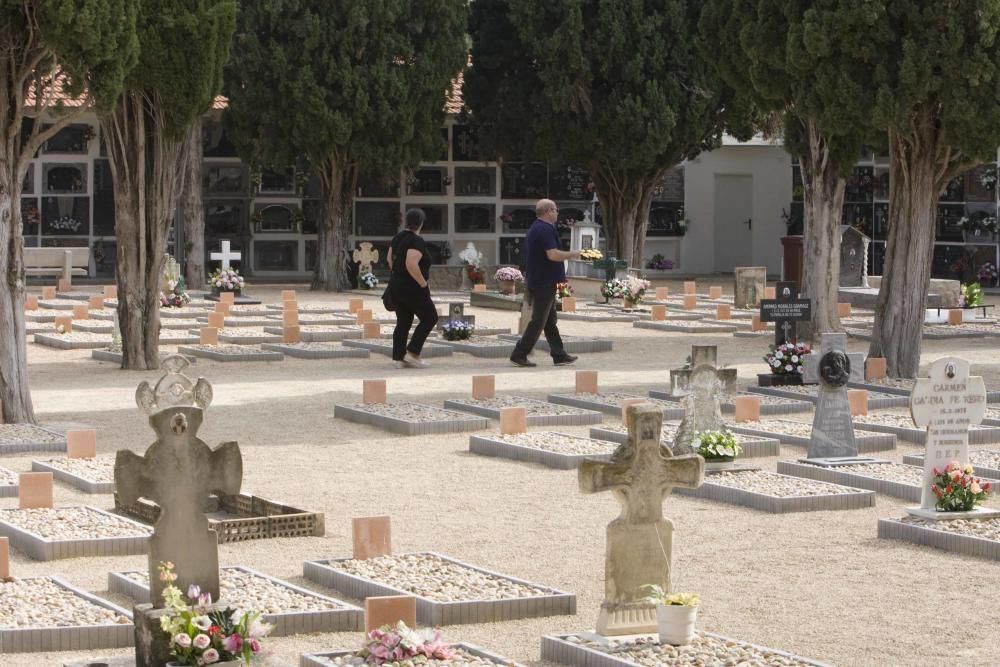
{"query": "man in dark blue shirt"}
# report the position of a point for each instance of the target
(543, 267)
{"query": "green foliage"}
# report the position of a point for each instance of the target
(361, 84)
(618, 83)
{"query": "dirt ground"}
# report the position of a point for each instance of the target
(819, 584)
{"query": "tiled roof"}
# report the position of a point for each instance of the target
(57, 95)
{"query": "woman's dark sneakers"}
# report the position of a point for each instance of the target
(522, 361)
(564, 360)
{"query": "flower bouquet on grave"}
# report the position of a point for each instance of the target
(591, 255)
(613, 289)
(457, 330)
(508, 277)
(199, 636)
(957, 490)
(972, 296)
(400, 644)
(787, 359)
(987, 273)
(176, 295)
(563, 290)
(473, 261)
(717, 446)
(226, 280)
(660, 263)
(988, 178)
(368, 280)
(675, 614)
(634, 290)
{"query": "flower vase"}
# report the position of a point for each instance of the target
(506, 286)
(675, 623)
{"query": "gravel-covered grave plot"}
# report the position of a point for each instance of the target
(753, 446)
(57, 304)
(686, 326)
(187, 312)
(69, 532)
(246, 336)
(42, 316)
(316, 350)
(410, 418)
(177, 337)
(447, 591)
(180, 324)
(904, 428)
(382, 346)
(320, 333)
(16, 438)
(481, 346)
(572, 344)
(706, 650)
(96, 475)
(292, 609)
(610, 402)
(249, 310)
(973, 537)
(798, 433)
(894, 479)
(877, 400)
(8, 483)
(462, 654)
(985, 462)
(769, 404)
(223, 352)
(599, 315)
(538, 413)
(555, 450)
(774, 492)
(47, 614)
(74, 340)
(93, 326)
(992, 417)
(315, 318)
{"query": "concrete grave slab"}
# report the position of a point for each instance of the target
(227, 353)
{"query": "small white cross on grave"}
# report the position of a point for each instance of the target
(640, 473)
(227, 255)
(946, 403)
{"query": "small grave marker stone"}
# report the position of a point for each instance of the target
(946, 403)
(858, 400)
(715, 292)
(288, 295)
(370, 330)
(64, 321)
(81, 312)
(371, 536)
(723, 311)
(479, 287)
(569, 304)
(81, 444)
(658, 312)
(876, 368)
(291, 335)
(662, 293)
(747, 408)
(483, 386)
(364, 315)
(31, 303)
(216, 320)
(706, 385)
(690, 287)
(289, 304)
(955, 317)
(34, 490)
(48, 293)
(111, 291)
(354, 305)
(208, 336)
(770, 292)
(227, 297)
(639, 542)
(390, 610)
(373, 391)
(586, 382)
(223, 307)
(290, 318)
(513, 421)
(96, 302)
(690, 302)
(785, 311)
(4, 559)
(626, 403)
(756, 324)
(843, 309)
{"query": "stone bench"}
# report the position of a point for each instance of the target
(62, 262)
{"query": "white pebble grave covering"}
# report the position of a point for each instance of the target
(464, 654)
(773, 484)
(974, 537)
(100, 469)
(410, 418)
(72, 523)
(16, 438)
(556, 450)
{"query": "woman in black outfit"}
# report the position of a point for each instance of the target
(410, 265)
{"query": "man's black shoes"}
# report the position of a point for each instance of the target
(564, 360)
(522, 361)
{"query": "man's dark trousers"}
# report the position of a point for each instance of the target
(543, 318)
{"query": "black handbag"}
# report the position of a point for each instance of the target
(387, 301)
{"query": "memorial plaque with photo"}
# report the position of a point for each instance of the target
(311, 211)
(31, 216)
(225, 218)
(428, 181)
(376, 218)
(371, 185)
(214, 141)
(981, 183)
(570, 183)
(670, 187)
(881, 191)
(276, 255)
(465, 144)
(475, 181)
(62, 179)
(524, 180)
(275, 218)
(475, 218)
(66, 216)
(104, 199)
(280, 181)
(663, 219)
(227, 179)
(72, 139)
(510, 250)
(949, 227)
(517, 219)
(954, 191)
(860, 185)
(437, 217)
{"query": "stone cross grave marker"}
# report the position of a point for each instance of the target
(785, 310)
(179, 472)
(640, 473)
(946, 403)
(365, 256)
(832, 434)
(830, 341)
(227, 255)
(704, 385)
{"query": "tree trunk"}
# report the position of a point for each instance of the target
(338, 182)
(15, 394)
(624, 202)
(144, 165)
(193, 210)
(823, 201)
(915, 180)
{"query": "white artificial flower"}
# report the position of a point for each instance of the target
(202, 622)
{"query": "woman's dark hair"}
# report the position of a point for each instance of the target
(414, 219)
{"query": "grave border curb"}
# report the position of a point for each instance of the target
(434, 613)
(27, 447)
(572, 344)
(876, 442)
(789, 407)
(669, 413)
(74, 637)
(767, 446)
(225, 339)
(313, 659)
(833, 475)
(894, 529)
(731, 495)
(319, 336)
(584, 418)
(987, 435)
(53, 341)
(80, 483)
(480, 351)
(487, 446)
(874, 402)
(41, 549)
(224, 358)
(301, 353)
(467, 423)
(431, 350)
(917, 459)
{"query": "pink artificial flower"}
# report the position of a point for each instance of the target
(182, 640)
(193, 591)
(202, 642)
(254, 646)
(233, 643)
(209, 656)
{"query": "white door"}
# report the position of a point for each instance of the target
(733, 221)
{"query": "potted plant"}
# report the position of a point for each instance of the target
(956, 489)
(368, 280)
(507, 278)
(634, 290)
(613, 289)
(175, 296)
(675, 615)
(226, 280)
(718, 448)
(201, 634)
(457, 330)
(786, 363)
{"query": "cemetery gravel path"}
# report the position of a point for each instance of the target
(819, 584)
